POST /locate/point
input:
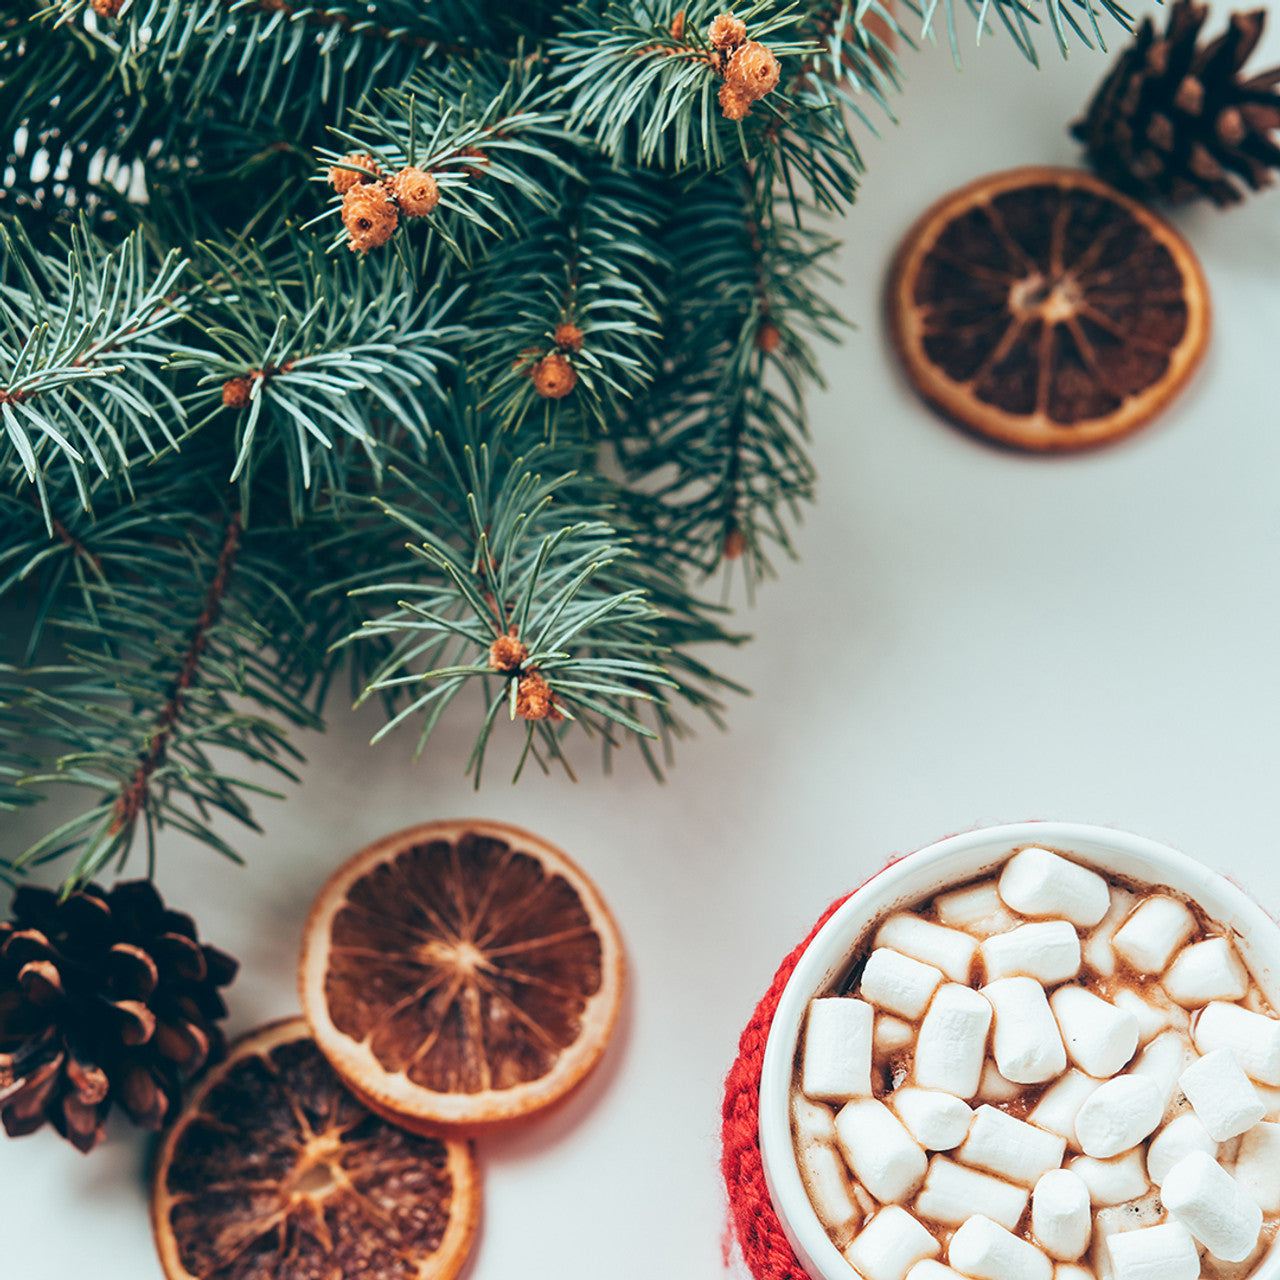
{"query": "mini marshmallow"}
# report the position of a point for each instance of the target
(931, 1270)
(1070, 1271)
(1209, 970)
(952, 1044)
(892, 1035)
(1026, 1044)
(1036, 882)
(884, 1157)
(866, 1201)
(1118, 1220)
(945, 949)
(1256, 1002)
(827, 1181)
(1118, 1115)
(986, 1251)
(976, 909)
(1164, 1252)
(1271, 1096)
(1149, 937)
(1206, 1199)
(993, 1087)
(1221, 1095)
(1096, 950)
(1253, 1037)
(811, 1121)
(937, 1121)
(890, 1245)
(1152, 1019)
(1099, 1038)
(1257, 1168)
(1048, 951)
(1061, 1219)
(1010, 1148)
(952, 1194)
(898, 983)
(1183, 1134)
(1163, 1061)
(1113, 1181)
(837, 1049)
(1061, 1103)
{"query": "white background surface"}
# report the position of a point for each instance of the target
(970, 636)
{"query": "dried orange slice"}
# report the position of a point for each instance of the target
(461, 974)
(1042, 309)
(273, 1169)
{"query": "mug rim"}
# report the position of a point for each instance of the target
(907, 880)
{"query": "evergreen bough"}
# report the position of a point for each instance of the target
(500, 452)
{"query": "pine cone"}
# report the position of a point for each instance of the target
(1175, 120)
(106, 997)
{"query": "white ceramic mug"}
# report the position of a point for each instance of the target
(917, 877)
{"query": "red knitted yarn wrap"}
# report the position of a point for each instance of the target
(759, 1233)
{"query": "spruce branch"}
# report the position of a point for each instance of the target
(52, 165)
(814, 156)
(90, 138)
(487, 131)
(584, 282)
(158, 664)
(264, 58)
(82, 338)
(566, 366)
(516, 587)
(649, 94)
(716, 448)
(1066, 18)
(16, 760)
(49, 553)
(132, 799)
(299, 350)
(856, 55)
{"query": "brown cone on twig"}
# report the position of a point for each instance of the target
(105, 998)
(554, 377)
(1176, 120)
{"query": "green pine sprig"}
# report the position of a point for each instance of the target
(241, 465)
(81, 347)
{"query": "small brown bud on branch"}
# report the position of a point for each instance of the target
(342, 180)
(416, 192)
(369, 217)
(554, 377)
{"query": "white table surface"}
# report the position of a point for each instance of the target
(969, 636)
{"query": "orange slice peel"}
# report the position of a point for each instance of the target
(461, 975)
(273, 1168)
(1043, 310)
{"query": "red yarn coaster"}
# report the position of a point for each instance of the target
(759, 1233)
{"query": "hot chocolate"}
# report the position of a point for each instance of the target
(1043, 1074)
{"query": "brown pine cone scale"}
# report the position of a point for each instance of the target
(1176, 120)
(106, 997)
